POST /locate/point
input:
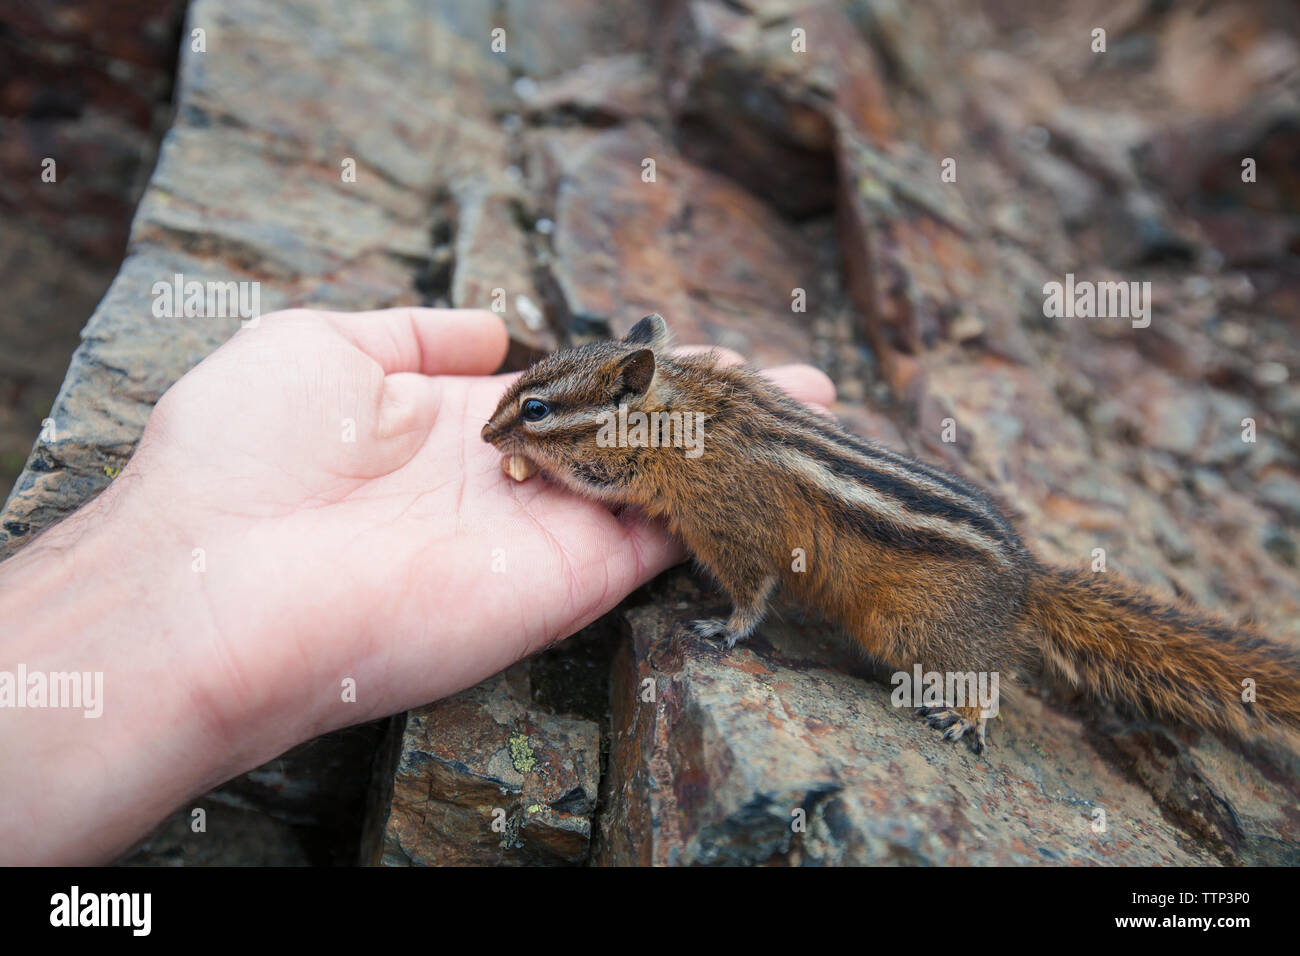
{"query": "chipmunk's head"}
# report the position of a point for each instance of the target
(554, 413)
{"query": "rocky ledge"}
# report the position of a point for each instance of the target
(885, 190)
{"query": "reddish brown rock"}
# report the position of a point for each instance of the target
(485, 778)
(688, 244)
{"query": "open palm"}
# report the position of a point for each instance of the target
(323, 476)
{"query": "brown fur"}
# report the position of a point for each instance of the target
(958, 593)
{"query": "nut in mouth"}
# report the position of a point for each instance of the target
(518, 467)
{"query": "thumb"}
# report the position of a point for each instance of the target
(408, 406)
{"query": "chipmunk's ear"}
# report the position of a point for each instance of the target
(636, 371)
(650, 332)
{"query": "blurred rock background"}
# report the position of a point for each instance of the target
(798, 146)
(88, 83)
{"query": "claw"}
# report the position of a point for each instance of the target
(957, 724)
(715, 627)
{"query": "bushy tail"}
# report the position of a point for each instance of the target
(1161, 661)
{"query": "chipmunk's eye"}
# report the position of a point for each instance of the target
(535, 410)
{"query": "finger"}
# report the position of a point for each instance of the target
(642, 550)
(810, 385)
(803, 382)
(428, 341)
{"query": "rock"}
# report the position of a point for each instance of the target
(49, 292)
(235, 836)
(601, 92)
(494, 266)
(519, 179)
(718, 754)
(1239, 806)
(739, 95)
(484, 778)
(84, 99)
(689, 244)
(543, 42)
(90, 93)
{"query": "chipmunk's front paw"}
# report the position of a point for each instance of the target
(715, 627)
(957, 723)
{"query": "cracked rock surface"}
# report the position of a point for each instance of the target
(789, 203)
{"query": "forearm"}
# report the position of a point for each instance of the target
(94, 596)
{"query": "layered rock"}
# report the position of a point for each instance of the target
(885, 192)
(485, 778)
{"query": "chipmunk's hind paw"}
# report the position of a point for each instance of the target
(957, 724)
(715, 627)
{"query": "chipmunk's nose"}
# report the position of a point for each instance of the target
(491, 433)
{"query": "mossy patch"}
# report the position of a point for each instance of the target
(521, 753)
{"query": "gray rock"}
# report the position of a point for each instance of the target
(783, 751)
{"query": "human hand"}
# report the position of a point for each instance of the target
(315, 504)
(354, 524)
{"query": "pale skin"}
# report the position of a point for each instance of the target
(250, 559)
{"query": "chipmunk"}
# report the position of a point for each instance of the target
(917, 565)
